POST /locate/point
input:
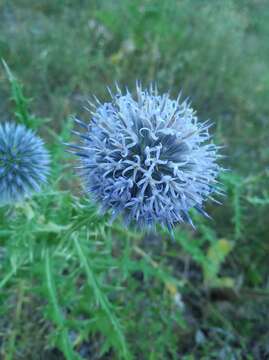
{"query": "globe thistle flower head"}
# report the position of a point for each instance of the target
(24, 163)
(147, 158)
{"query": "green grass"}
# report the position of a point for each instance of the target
(74, 287)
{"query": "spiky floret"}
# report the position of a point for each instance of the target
(147, 157)
(24, 163)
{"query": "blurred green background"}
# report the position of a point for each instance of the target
(217, 54)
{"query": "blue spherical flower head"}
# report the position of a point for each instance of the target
(147, 158)
(24, 163)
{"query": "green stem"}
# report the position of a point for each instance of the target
(101, 298)
(65, 342)
(16, 322)
(7, 277)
